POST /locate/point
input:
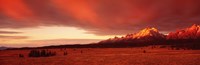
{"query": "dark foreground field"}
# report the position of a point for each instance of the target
(105, 56)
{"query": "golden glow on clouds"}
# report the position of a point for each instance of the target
(12, 41)
(59, 33)
(48, 33)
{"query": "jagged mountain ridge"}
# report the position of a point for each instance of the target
(148, 33)
(192, 32)
(152, 34)
(145, 35)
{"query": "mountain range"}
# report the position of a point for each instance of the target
(3, 48)
(192, 32)
(151, 35)
(188, 38)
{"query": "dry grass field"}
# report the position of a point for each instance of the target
(105, 56)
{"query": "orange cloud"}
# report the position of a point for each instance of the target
(16, 9)
(79, 9)
(9, 32)
(101, 17)
(12, 37)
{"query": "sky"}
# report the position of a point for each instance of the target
(56, 22)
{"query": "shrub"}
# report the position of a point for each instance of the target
(21, 56)
(74, 49)
(144, 51)
(163, 46)
(65, 53)
(81, 51)
(177, 48)
(42, 53)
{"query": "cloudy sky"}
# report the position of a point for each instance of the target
(50, 22)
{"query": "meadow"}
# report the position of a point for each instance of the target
(104, 56)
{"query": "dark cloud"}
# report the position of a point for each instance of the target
(101, 17)
(62, 42)
(37, 43)
(66, 41)
(12, 37)
(9, 32)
